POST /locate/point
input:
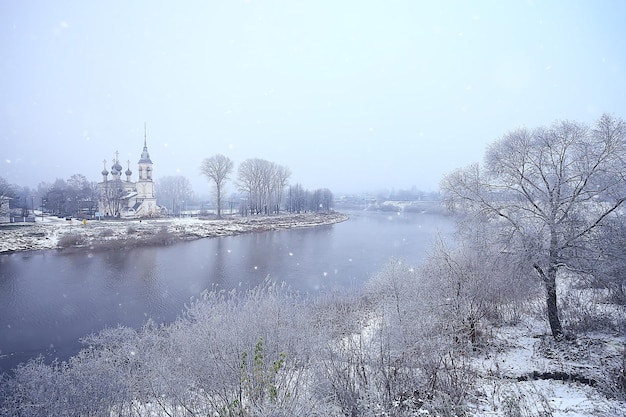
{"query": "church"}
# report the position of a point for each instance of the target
(124, 198)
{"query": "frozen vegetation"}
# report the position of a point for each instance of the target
(432, 340)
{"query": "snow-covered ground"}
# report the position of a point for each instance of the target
(519, 374)
(48, 232)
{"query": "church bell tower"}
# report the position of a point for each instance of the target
(145, 183)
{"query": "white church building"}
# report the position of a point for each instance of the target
(121, 197)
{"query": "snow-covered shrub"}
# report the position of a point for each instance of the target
(367, 366)
(586, 310)
(71, 239)
(465, 286)
(427, 321)
(34, 390)
(107, 232)
(236, 353)
(339, 373)
(162, 237)
(402, 358)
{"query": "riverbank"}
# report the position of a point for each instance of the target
(55, 233)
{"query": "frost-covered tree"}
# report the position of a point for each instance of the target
(549, 190)
(217, 169)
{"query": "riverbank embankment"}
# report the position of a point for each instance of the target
(54, 233)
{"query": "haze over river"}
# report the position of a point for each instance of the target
(50, 299)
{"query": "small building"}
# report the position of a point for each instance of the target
(121, 197)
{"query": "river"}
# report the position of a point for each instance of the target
(49, 299)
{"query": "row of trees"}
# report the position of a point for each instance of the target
(300, 200)
(263, 183)
(78, 195)
(262, 186)
(71, 196)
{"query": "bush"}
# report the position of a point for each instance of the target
(107, 233)
(587, 310)
(71, 239)
(399, 354)
(162, 237)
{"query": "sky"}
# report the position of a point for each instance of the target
(354, 96)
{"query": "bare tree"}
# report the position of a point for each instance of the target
(173, 190)
(217, 169)
(549, 190)
(110, 197)
(280, 181)
(248, 179)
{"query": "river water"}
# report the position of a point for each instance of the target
(49, 299)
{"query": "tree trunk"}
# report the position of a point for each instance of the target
(553, 310)
(218, 187)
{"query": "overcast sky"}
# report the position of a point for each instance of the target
(350, 95)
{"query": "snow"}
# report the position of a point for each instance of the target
(46, 232)
(524, 349)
